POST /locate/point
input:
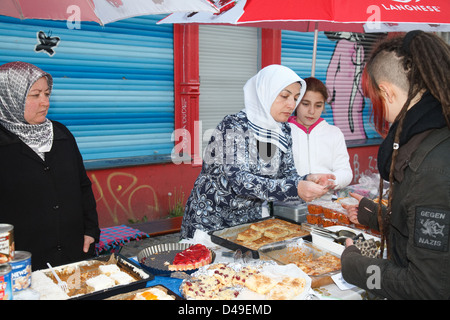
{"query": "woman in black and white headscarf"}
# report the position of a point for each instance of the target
(45, 192)
(248, 160)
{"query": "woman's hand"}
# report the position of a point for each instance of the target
(315, 186)
(324, 179)
(352, 210)
(88, 240)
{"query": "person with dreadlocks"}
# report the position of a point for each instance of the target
(407, 80)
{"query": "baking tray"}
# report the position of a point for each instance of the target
(123, 263)
(128, 265)
(154, 259)
(279, 252)
(226, 237)
(128, 295)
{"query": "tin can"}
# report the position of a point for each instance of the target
(6, 242)
(5, 282)
(21, 271)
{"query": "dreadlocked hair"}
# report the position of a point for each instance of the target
(416, 62)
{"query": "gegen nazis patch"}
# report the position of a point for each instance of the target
(432, 228)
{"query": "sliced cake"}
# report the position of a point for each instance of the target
(191, 258)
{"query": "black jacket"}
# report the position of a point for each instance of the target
(50, 203)
(419, 267)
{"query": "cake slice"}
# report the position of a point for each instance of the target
(249, 235)
(260, 283)
(99, 282)
(287, 289)
(262, 225)
(121, 278)
(191, 258)
(109, 269)
(276, 232)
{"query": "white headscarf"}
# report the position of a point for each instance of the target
(260, 92)
(16, 79)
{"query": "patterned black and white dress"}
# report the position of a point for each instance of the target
(237, 178)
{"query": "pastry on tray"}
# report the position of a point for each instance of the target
(287, 289)
(88, 278)
(276, 232)
(225, 281)
(268, 231)
(157, 292)
(249, 235)
(152, 294)
(260, 283)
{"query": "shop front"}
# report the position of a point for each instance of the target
(142, 99)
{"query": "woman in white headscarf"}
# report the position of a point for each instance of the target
(45, 192)
(249, 160)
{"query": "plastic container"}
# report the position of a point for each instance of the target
(331, 210)
(315, 208)
(329, 222)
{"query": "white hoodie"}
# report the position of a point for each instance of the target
(321, 149)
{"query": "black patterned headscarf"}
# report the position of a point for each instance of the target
(16, 80)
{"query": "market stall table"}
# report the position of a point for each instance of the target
(224, 255)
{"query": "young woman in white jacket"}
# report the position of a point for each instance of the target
(317, 145)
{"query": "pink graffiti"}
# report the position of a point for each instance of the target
(346, 65)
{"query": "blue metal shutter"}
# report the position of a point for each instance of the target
(113, 84)
(296, 53)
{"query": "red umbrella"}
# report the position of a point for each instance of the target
(100, 11)
(326, 15)
(332, 15)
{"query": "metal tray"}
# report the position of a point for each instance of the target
(124, 264)
(226, 237)
(154, 259)
(128, 265)
(279, 252)
(292, 211)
